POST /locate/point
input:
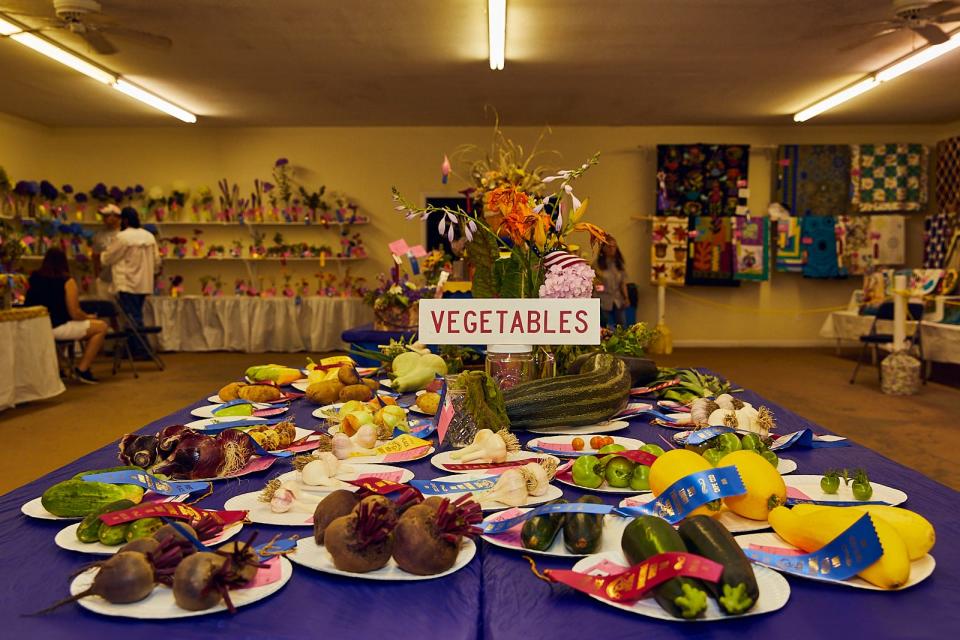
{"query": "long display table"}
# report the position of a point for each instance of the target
(496, 595)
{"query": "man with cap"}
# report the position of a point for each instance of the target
(110, 214)
(135, 261)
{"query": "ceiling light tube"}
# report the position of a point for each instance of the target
(904, 65)
(154, 101)
(497, 30)
(52, 51)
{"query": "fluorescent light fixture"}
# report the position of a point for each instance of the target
(154, 101)
(497, 28)
(904, 65)
(7, 28)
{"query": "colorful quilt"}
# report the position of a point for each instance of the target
(752, 244)
(711, 255)
(668, 250)
(814, 179)
(889, 177)
(886, 240)
(700, 179)
(818, 241)
(853, 249)
(938, 230)
(789, 252)
(948, 174)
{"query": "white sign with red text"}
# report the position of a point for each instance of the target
(510, 321)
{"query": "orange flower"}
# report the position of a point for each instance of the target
(514, 206)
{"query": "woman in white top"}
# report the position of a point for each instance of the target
(613, 277)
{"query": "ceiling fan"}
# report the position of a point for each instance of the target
(923, 18)
(84, 19)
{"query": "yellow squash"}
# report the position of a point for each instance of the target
(815, 529)
(916, 531)
(675, 464)
(765, 487)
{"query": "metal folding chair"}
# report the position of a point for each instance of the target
(874, 339)
(117, 338)
(140, 334)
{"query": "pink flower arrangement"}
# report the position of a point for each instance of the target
(571, 281)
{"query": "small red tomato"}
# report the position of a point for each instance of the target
(597, 442)
(607, 440)
(577, 444)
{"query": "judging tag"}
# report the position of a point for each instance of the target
(688, 493)
(147, 481)
(841, 559)
(631, 584)
(171, 510)
(405, 442)
(442, 487)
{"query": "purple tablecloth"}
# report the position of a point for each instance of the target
(496, 596)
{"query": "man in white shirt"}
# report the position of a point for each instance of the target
(110, 214)
(135, 260)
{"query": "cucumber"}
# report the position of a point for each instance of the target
(143, 528)
(737, 590)
(539, 532)
(582, 532)
(77, 498)
(93, 472)
(89, 529)
(648, 536)
(113, 535)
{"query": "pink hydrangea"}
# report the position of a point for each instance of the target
(575, 281)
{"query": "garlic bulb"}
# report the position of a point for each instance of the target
(700, 410)
(538, 475)
(344, 447)
(719, 418)
(321, 472)
(366, 436)
(510, 489)
(284, 497)
(487, 447)
(725, 401)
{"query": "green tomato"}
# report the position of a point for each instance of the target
(653, 449)
(728, 442)
(862, 490)
(771, 457)
(640, 480)
(618, 472)
(612, 448)
(830, 482)
(713, 456)
(751, 441)
(586, 472)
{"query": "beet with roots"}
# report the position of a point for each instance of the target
(202, 579)
(428, 536)
(362, 541)
(167, 530)
(335, 505)
(124, 578)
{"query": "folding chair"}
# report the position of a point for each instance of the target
(874, 339)
(140, 334)
(118, 338)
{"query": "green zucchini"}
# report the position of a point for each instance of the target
(77, 498)
(539, 532)
(737, 590)
(113, 534)
(583, 532)
(89, 529)
(648, 536)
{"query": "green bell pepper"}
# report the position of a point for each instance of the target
(586, 472)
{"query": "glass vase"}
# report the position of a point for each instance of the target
(462, 429)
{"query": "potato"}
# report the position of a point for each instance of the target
(373, 384)
(259, 393)
(325, 392)
(355, 392)
(348, 375)
(429, 402)
(229, 392)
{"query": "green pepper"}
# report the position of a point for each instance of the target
(640, 478)
(142, 528)
(586, 472)
(618, 472)
(612, 448)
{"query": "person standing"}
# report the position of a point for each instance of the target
(613, 277)
(110, 215)
(135, 260)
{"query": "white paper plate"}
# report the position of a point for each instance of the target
(260, 512)
(810, 485)
(160, 604)
(67, 539)
(202, 424)
(786, 465)
(553, 492)
(774, 593)
(613, 527)
(314, 556)
(733, 522)
(215, 399)
(300, 385)
(207, 411)
(920, 569)
(34, 508)
(442, 459)
(356, 471)
(320, 412)
(601, 427)
(546, 442)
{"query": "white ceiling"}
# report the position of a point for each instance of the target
(424, 62)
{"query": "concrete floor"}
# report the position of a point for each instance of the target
(916, 431)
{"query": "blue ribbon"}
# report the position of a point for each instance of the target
(234, 424)
(689, 493)
(805, 439)
(702, 435)
(841, 559)
(263, 452)
(442, 487)
(147, 481)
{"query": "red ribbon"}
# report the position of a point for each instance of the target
(378, 485)
(640, 457)
(630, 585)
(489, 465)
(171, 510)
(636, 391)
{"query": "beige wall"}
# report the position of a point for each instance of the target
(22, 146)
(366, 162)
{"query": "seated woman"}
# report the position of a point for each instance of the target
(52, 287)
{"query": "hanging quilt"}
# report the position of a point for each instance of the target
(711, 254)
(818, 241)
(668, 250)
(814, 179)
(938, 229)
(752, 245)
(885, 240)
(853, 249)
(889, 177)
(789, 253)
(700, 179)
(948, 174)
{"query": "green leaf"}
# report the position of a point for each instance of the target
(507, 275)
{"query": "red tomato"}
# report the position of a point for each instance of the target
(577, 444)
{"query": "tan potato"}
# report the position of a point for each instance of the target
(429, 402)
(373, 384)
(359, 392)
(259, 393)
(324, 392)
(348, 375)
(229, 392)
